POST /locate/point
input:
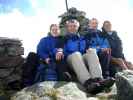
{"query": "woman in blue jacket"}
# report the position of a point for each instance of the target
(46, 51)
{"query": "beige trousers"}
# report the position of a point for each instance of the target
(79, 64)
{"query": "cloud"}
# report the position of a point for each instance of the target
(7, 6)
(28, 28)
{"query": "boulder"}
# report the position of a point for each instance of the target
(124, 83)
(11, 60)
(53, 91)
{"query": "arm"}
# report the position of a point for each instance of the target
(120, 62)
(59, 50)
(119, 48)
(105, 47)
(42, 50)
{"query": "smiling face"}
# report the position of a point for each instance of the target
(54, 30)
(93, 23)
(107, 26)
(72, 26)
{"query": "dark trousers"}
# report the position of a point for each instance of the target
(29, 69)
(104, 59)
(64, 72)
(114, 68)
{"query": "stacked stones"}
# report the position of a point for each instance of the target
(11, 60)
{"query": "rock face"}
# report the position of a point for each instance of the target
(52, 91)
(60, 91)
(10, 60)
(124, 82)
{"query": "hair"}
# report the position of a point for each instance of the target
(73, 21)
(104, 32)
(106, 22)
(93, 19)
(52, 25)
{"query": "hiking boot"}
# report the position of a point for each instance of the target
(67, 76)
(106, 83)
(93, 87)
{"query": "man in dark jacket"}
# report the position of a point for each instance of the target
(85, 64)
(117, 56)
(95, 40)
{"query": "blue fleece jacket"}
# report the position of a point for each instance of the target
(47, 47)
(74, 43)
(94, 39)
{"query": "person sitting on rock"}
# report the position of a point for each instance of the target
(95, 40)
(117, 56)
(85, 64)
(46, 49)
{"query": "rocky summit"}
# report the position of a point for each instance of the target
(124, 82)
(59, 91)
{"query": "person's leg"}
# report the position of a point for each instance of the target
(113, 69)
(40, 73)
(92, 61)
(76, 62)
(63, 71)
(29, 69)
(104, 59)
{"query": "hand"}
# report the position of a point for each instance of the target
(47, 60)
(59, 56)
(107, 50)
(121, 63)
(129, 65)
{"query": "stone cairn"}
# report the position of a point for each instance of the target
(73, 13)
(11, 61)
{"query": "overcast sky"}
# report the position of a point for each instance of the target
(29, 20)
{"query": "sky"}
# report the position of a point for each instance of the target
(29, 20)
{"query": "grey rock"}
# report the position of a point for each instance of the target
(11, 60)
(11, 47)
(6, 72)
(10, 41)
(53, 91)
(15, 51)
(12, 78)
(2, 50)
(11, 68)
(124, 83)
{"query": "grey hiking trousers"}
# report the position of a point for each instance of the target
(81, 63)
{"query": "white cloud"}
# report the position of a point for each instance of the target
(27, 28)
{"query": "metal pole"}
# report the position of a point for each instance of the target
(66, 4)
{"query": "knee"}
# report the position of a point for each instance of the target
(75, 54)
